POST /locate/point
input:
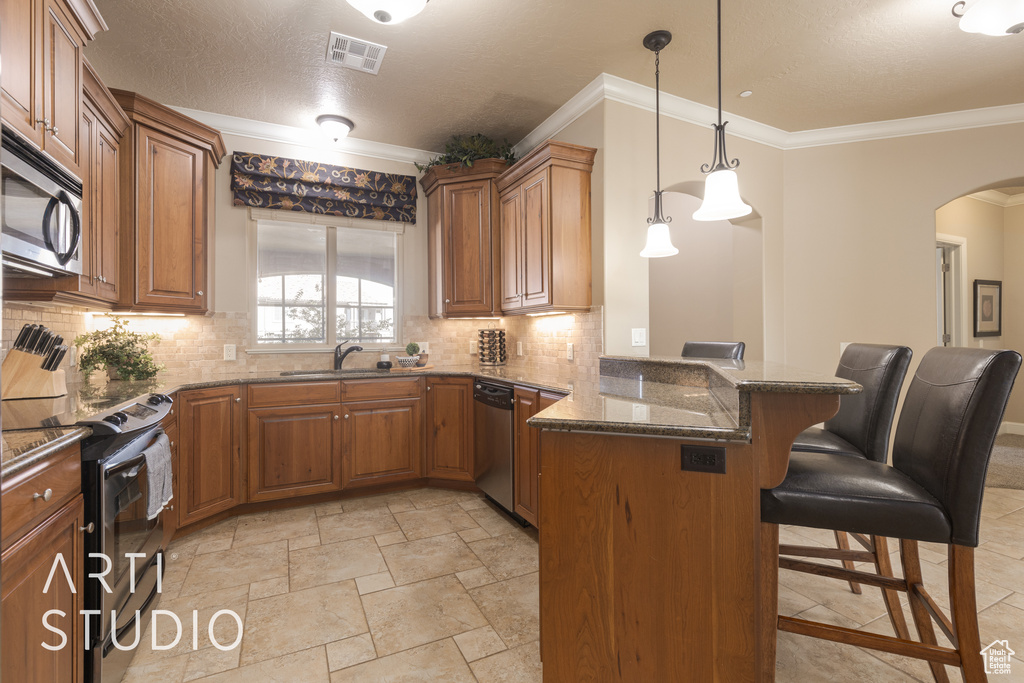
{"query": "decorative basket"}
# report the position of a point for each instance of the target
(408, 361)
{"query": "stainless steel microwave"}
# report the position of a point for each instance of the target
(40, 213)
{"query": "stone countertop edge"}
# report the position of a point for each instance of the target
(739, 434)
(773, 377)
(31, 457)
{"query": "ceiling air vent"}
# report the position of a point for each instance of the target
(353, 53)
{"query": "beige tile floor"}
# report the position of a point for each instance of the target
(433, 585)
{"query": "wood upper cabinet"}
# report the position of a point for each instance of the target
(25, 567)
(382, 440)
(167, 174)
(294, 451)
(545, 230)
(41, 45)
(211, 475)
(462, 239)
(103, 124)
(450, 428)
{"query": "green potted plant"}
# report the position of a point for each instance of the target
(463, 150)
(410, 361)
(122, 353)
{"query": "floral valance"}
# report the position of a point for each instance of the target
(270, 182)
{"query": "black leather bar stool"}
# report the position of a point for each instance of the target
(932, 492)
(861, 430)
(733, 350)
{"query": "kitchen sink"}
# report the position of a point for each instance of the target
(347, 371)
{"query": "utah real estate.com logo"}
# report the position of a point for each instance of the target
(997, 657)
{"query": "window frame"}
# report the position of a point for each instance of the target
(332, 223)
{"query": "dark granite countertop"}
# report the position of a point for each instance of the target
(676, 397)
(25, 448)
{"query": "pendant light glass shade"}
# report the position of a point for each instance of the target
(389, 11)
(659, 243)
(721, 198)
(991, 17)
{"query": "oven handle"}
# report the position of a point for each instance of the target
(133, 462)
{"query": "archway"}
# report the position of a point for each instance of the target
(713, 289)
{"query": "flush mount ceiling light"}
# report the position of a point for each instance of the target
(659, 243)
(991, 17)
(389, 11)
(721, 189)
(335, 126)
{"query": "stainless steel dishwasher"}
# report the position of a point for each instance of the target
(493, 447)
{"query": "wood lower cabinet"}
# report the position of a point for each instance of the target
(528, 403)
(545, 230)
(450, 428)
(463, 242)
(167, 174)
(294, 451)
(382, 440)
(25, 567)
(210, 452)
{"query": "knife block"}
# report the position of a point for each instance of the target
(21, 377)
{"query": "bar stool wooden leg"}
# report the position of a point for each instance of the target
(769, 569)
(843, 543)
(964, 608)
(892, 598)
(912, 573)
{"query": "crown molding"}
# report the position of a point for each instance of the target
(998, 198)
(275, 132)
(608, 87)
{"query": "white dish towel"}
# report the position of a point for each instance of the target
(158, 467)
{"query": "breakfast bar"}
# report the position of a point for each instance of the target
(653, 562)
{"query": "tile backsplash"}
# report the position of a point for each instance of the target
(195, 344)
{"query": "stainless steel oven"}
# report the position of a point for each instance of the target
(115, 482)
(41, 213)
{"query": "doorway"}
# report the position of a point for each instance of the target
(950, 279)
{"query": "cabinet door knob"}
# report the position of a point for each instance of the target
(199, 293)
(335, 417)
(169, 508)
(88, 528)
(45, 495)
(346, 417)
(54, 130)
(45, 122)
(238, 400)
(428, 388)
(447, 301)
(172, 411)
(172, 444)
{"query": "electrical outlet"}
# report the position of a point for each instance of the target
(72, 356)
(569, 397)
(569, 353)
(472, 348)
(640, 412)
(639, 336)
(519, 348)
(703, 459)
(229, 352)
(424, 347)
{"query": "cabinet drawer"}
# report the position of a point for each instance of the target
(381, 389)
(60, 474)
(293, 394)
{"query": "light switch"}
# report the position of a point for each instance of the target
(519, 348)
(639, 336)
(569, 353)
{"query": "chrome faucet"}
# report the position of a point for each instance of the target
(339, 355)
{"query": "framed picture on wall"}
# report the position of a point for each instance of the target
(988, 308)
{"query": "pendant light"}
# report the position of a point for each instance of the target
(721, 190)
(389, 11)
(991, 17)
(659, 243)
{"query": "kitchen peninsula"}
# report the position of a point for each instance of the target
(653, 561)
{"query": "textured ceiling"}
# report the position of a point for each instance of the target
(501, 67)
